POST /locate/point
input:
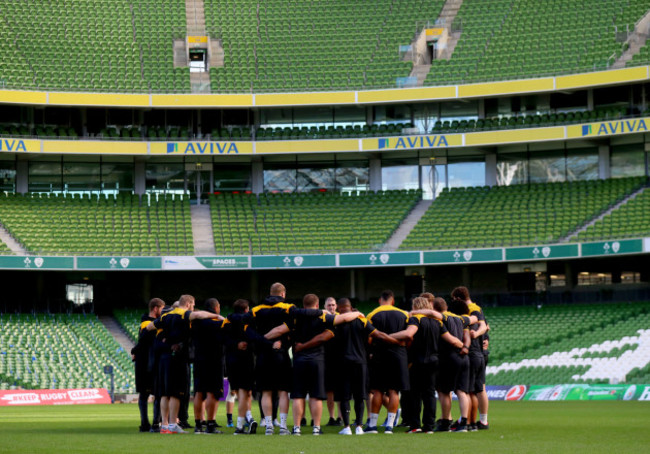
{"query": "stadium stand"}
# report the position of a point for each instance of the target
(98, 225)
(278, 45)
(45, 351)
(4, 249)
(92, 45)
(514, 215)
(580, 37)
(629, 220)
(307, 222)
(581, 343)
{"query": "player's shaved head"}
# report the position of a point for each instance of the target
(421, 303)
(343, 305)
(278, 289)
(387, 297)
(212, 305)
(439, 304)
(310, 301)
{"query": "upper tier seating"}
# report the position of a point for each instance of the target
(106, 225)
(629, 220)
(92, 45)
(60, 351)
(505, 39)
(557, 337)
(307, 222)
(514, 215)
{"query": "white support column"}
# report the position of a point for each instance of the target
(604, 170)
(491, 169)
(375, 174)
(257, 177)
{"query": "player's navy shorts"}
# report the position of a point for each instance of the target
(352, 382)
(476, 372)
(241, 373)
(308, 378)
(172, 376)
(389, 372)
(273, 371)
(208, 377)
(453, 373)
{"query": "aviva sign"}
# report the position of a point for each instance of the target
(609, 128)
(413, 142)
(202, 148)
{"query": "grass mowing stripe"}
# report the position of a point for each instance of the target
(540, 427)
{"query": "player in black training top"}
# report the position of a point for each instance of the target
(462, 304)
(273, 368)
(425, 336)
(173, 329)
(388, 363)
(351, 356)
(143, 356)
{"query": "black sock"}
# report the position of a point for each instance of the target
(359, 408)
(345, 412)
(197, 422)
(229, 417)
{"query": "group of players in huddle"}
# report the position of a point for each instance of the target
(389, 357)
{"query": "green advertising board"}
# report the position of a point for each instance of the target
(588, 392)
(463, 256)
(380, 259)
(612, 247)
(37, 263)
(229, 262)
(119, 263)
(555, 251)
(293, 261)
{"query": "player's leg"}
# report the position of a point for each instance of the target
(143, 406)
(298, 412)
(331, 408)
(198, 410)
(164, 411)
(316, 410)
(174, 407)
(230, 406)
(428, 393)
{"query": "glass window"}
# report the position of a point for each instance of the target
(627, 161)
(278, 178)
(232, 178)
(512, 168)
(81, 176)
(630, 277)
(315, 178)
(547, 167)
(352, 176)
(165, 178)
(434, 180)
(117, 177)
(400, 174)
(582, 164)
(587, 278)
(45, 177)
(8, 176)
(466, 173)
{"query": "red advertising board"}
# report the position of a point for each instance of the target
(54, 397)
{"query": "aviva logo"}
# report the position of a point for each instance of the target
(615, 127)
(413, 142)
(12, 145)
(202, 148)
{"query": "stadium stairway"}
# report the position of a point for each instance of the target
(636, 41)
(116, 330)
(573, 235)
(11, 243)
(411, 220)
(202, 230)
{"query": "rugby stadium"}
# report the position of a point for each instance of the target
(214, 147)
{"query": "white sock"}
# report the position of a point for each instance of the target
(283, 420)
(483, 418)
(390, 420)
(268, 421)
(240, 422)
(249, 415)
(373, 419)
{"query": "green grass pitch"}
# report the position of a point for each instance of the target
(535, 427)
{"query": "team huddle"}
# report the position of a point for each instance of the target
(290, 355)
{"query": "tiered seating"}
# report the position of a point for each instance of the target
(304, 45)
(307, 222)
(557, 338)
(93, 45)
(501, 39)
(129, 320)
(60, 351)
(514, 215)
(4, 249)
(97, 225)
(629, 220)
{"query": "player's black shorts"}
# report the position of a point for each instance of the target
(454, 373)
(352, 382)
(332, 374)
(173, 374)
(389, 371)
(308, 378)
(273, 371)
(476, 372)
(241, 373)
(143, 377)
(208, 377)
